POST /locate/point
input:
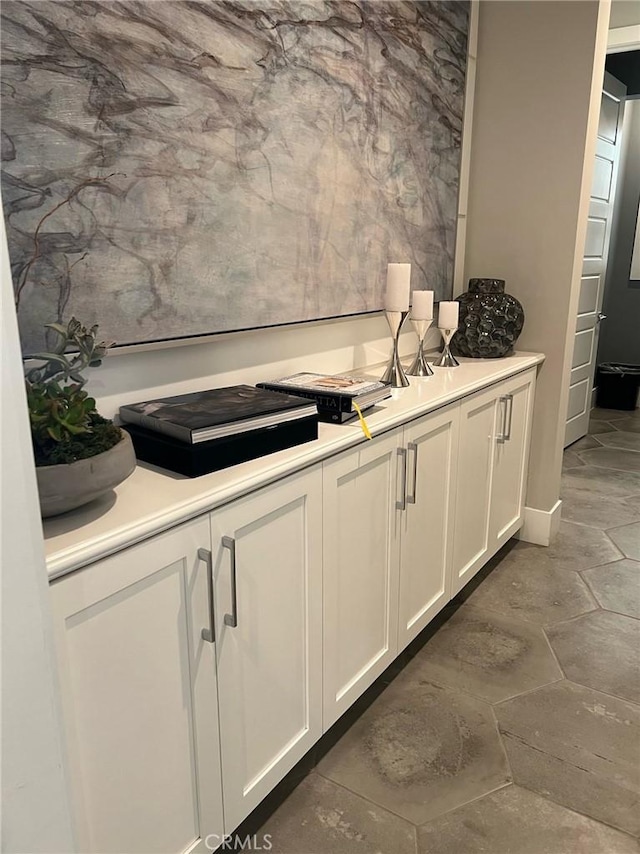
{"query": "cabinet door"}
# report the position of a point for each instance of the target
(139, 698)
(515, 406)
(268, 571)
(360, 569)
(427, 520)
(473, 486)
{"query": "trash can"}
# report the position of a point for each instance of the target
(617, 385)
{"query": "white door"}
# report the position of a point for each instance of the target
(362, 488)
(595, 259)
(138, 685)
(473, 485)
(427, 520)
(510, 461)
(268, 614)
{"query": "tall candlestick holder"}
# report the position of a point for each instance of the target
(420, 367)
(394, 374)
(446, 359)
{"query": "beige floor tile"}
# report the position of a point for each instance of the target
(584, 444)
(596, 426)
(579, 747)
(486, 654)
(627, 539)
(611, 415)
(320, 817)
(586, 507)
(605, 483)
(612, 458)
(631, 424)
(616, 586)
(621, 439)
(601, 650)
(527, 585)
(420, 751)
(516, 821)
(577, 547)
(570, 460)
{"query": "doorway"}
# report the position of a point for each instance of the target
(608, 321)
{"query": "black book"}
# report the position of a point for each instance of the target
(334, 416)
(331, 393)
(194, 460)
(204, 415)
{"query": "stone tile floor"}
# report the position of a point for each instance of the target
(516, 728)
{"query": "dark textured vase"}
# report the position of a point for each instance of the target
(490, 320)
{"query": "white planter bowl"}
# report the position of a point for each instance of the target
(69, 485)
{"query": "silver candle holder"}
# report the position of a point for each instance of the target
(420, 367)
(394, 374)
(446, 359)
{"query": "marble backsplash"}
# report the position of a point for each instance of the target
(173, 168)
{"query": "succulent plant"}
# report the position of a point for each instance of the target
(64, 423)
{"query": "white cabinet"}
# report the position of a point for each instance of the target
(267, 551)
(158, 641)
(511, 455)
(361, 489)
(388, 536)
(492, 459)
(139, 698)
(198, 667)
(426, 524)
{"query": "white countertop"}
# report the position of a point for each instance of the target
(153, 499)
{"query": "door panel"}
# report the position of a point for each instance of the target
(602, 178)
(140, 699)
(594, 244)
(473, 489)
(361, 555)
(269, 662)
(610, 110)
(510, 463)
(427, 521)
(589, 293)
(579, 399)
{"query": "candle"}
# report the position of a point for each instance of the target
(396, 296)
(448, 315)
(422, 307)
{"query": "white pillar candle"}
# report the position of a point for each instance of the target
(448, 315)
(422, 306)
(396, 297)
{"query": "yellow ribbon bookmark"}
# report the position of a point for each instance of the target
(363, 423)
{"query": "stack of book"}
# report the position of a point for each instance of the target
(334, 395)
(210, 430)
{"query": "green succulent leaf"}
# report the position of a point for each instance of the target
(60, 411)
(51, 357)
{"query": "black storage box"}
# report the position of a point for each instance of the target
(204, 457)
(617, 385)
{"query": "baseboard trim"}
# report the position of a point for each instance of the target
(540, 526)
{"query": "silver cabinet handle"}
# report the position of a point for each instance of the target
(501, 437)
(600, 317)
(209, 635)
(232, 618)
(401, 503)
(507, 432)
(413, 447)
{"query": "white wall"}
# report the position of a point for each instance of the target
(245, 357)
(35, 811)
(540, 68)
